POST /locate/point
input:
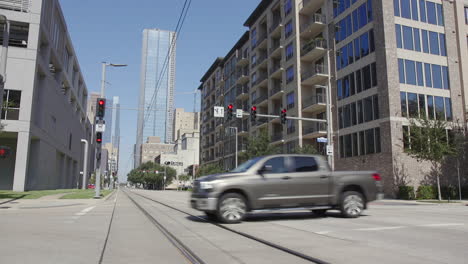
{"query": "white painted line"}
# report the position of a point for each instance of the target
(322, 232)
(85, 211)
(447, 224)
(380, 228)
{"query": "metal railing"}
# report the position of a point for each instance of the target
(274, 68)
(275, 25)
(317, 69)
(16, 5)
(277, 137)
(316, 18)
(276, 89)
(260, 99)
(259, 80)
(318, 99)
(316, 43)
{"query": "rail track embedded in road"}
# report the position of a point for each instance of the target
(257, 239)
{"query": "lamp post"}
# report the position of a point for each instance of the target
(103, 87)
(85, 165)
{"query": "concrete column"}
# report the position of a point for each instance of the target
(21, 164)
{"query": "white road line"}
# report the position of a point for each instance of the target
(85, 211)
(438, 225)
(322, 232)
(380, 228)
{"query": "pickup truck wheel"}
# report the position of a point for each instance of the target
(232, 208)
(319, 212)
(352, 204)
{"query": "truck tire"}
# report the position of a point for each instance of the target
(352, 204)
(231, 208)
(211, 216)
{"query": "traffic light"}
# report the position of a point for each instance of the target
(99, 137)
(229, 111)
(4, 152)
(100, 107)
(283, 116)
(253, 113)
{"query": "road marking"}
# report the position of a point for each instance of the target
(322, 232)
(380, 228)
(447, 224)
(85, 211)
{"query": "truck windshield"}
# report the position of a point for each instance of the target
(246, 165)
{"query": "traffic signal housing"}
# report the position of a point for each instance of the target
(101, 107)
(99, 137)
(253, 113)
(4, 152)
(230, 108)
(283, 116)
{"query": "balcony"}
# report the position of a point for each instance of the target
(277, 137)
(276, 71)
(275, 29)
(277, 91)
(314, 76)
(276, 112)
(242, 61)
(242, 92)
(316, 25)
(314, 103)
(260, 62)
(261, 121)
(260, 81)
(307, 7)
(276, 48)
(313, 50)
(313, 130)
(262, 42)
(242, 78)
(260, 99)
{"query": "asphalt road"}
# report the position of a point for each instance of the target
(76, 231)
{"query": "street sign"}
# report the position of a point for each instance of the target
(239, 113)
(218, 111)
(329, 150)
(322, 140)
(100, 127)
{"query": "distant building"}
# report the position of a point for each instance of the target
(46, 96)
(153, 148)
(91, 109)
(155, 117)
(185, 122)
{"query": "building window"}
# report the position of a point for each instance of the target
(290, 74)
(404, 108)
(11, 104)
(427, 12)
(288, 29)
(408, 38)
(253, 42)
(18, 34)
(290, 126)
(287, 7)
(290, 101)
(411, 72)
(466, 15)
(289, 51)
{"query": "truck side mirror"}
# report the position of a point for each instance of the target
(265, 169)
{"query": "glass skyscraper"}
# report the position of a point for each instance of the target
(156, 101)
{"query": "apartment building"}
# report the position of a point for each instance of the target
(382, 61)
(185, 122)
(45, 99)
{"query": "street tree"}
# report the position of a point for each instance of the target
(259, 146)
(208, 170)
(427, 140)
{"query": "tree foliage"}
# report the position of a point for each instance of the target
(427, 140)
(151, 175)
(258, 146)
(208, 170)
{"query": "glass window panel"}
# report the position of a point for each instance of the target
(417, 39)
(419, 70)
(428, 74)
(350, 53)
(368, 114)
(367, 77)
(448, 109)
(353, 114)
(374, 74)
(431, 13)
(362, 15)
(414, 9)
(445, 78)
(370, 144)
(434, 42)
(425, 41)
(369, 11)
(405, 9)
(339, 89)
(430, 107)
(338, 60)
(378, 147)
(348, 146)
(358, 81)
(443, 49)
(375, 99)
(347, 116)
(436, 76)
(410, 72)
(362, 144)
(305, 164)
(440, 15)
(422, 10)
(354, 138)
(357, 50)
(344, 56)
(371, 40)
(413, 104)
(422, 105)
(355, 20)
(404, 108)
(398, 36)
(342, 153)
(346, 86)
(408, 38)
(277, 165)
(396, 7)
(401, 69)
(342, 29)
(349, 26)
(439, 108)
(340, 117)
(360, 112)
(352, 84)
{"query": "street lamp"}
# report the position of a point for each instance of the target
(103, 87)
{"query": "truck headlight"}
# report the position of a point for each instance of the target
(206, 185)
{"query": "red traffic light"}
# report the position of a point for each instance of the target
(101, 102)
(2, 152)
(230, 106)
(254, 108)
(283, 111)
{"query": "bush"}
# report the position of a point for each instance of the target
(426, 192)
(406, 192)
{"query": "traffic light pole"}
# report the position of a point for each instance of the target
(97, 185)
(4, 58)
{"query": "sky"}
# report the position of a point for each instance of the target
(111, 31)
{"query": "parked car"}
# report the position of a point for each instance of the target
(91, 186)
(284, 181)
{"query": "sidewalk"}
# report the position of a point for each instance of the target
(420, 202)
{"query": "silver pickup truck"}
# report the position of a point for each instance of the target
(284, 182)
